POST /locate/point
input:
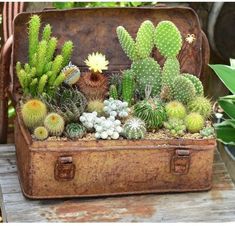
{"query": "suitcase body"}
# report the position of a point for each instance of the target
(58, 169)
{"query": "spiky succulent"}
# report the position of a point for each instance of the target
(194, 122)
(96, 105)
(175, 109)
(54, 123)
(152, 112)
(175, 127)
(33, 113)
(128, 86)
(196, 82)
(168, 39)
(134, 128)
(75, 130)
(40, 133)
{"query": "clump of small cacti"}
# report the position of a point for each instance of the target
(40, 133)
(116, 108)
(201, 105)
(72, 74)
(96, 105)
(54, 123)
(152, 112)
(196, 82)
(175, 126)
(75, 130)
(207, 132)
(175, 109)
(33, 113)
(89, 120)
(134, 128)
(194, 122)
(94, 84)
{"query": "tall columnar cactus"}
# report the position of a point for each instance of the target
(134, 128)
(116, 80)
(196, 82)
(46, 34)
(41, 57)
(147, 73)
(128, 86)
(167, 39)
(54, 123)
(113, 92)
(51, 47)
(66, 52)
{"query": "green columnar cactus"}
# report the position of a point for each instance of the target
(33, 113)
(42, 83)
(54, 123)
(57, 64)
(40, 133)
(144, 39)
(152, 112)
(46, 34)
(134, 128)
(41, 57)
(175, 127)
(128, 86)
(96, 105)
(116, 80)
(113, 92)
(33, 87)
(147, 73)
(194, 122)
(51, 47)
(167, 39)
(34, 26)
(127, 43)
(196, 82)
(183, 90)
(66, 52)
(175, 109)
(201, 105)
(75, 130)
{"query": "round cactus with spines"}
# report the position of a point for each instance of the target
(33, 113)
(183, 90)
(168, 39)
(175, 109)
(96, 105)
(134, 128)
(152, 112)
(175, 127)
(196, 82)
(128, 86)
(194, 122)
(75, 130)
(201, 105)
(40, 133)
(54, 123)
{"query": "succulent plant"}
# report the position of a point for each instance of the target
(113, 92)
(96, 105)
(207, 132)
(134, 128)
(128, 86)
(116, 80)
(75, 130)
(66, 52)
(175, 109)
(46, 34)
(167, 39)
(40, 133)
(147, 72)
(116, 108)
(94, 84)
(175, 126)
(196, 82)
(54, 123)
(152, 112)
(194, 122)
(183, 90)
(33, 113)
(72, 74)
(89, 120)
(201, 105)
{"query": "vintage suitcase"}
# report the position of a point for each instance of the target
(56, 169)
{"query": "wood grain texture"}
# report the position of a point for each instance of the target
(217, 205)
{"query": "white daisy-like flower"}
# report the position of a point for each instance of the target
(97, 62)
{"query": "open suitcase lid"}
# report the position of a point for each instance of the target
(94, 29)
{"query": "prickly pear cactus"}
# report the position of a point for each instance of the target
(175, 127)
(128, 86)
(134, 128)
(75, 130)
(196, 82)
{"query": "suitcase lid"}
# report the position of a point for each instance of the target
(94, 29)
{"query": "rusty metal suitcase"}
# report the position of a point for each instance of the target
(56, 169)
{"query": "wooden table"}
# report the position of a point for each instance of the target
(217, 205)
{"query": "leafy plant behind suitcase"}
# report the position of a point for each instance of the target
(144, 101)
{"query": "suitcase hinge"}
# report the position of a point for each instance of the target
(64, 168)
(180, 162)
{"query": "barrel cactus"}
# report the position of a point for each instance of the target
(175, 127)
(134, 128)
(40, 133)
(194, 122)
(96, 105)
(75, 130)
(196, 82)
(54, 123)
(175, 109)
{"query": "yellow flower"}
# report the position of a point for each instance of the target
(97, 62)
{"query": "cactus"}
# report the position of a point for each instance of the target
(196, 82)
(66, 52)
(194, 122)
(134, 128)
(152, 112)
(147, 72)
(46, 34)
(201, 105)
(33, 113)
(175, 127)
(51, 47)
(207, 132)
(128, 86)
(72, 74)
(116, 80)
(40, 133)
(175, 109)
(41, 84)
(183, 90)
(89, 120)
(75, 130)
(167, 39)
(96, 105)
(54, 123)
(113, 92)
(41, 57)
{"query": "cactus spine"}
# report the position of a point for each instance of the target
(40, 133)
(54, 123)
(128, 86)
(134, 128)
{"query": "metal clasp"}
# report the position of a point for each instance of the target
(64, 168)
(180, 162)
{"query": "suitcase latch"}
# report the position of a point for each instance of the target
(64, 168)
(180, 162)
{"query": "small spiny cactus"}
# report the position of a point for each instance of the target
(194, 122)
(96, 105)
(175, 109)
(134, 128)
(175, 126)
(40, 133)
(75, 130)
(113, 92)
(54, 123)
